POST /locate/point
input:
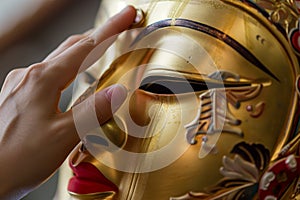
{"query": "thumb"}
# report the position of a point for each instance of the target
(114, 96)
(98, 108)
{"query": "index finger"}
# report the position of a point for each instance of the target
(66, 65)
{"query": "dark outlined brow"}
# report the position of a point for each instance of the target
(204, 28)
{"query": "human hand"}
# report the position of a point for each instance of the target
(35, 136)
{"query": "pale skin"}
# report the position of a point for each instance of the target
(35, 136)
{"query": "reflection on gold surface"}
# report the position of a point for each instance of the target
(222, 104)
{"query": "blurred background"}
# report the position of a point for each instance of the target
(29, 31)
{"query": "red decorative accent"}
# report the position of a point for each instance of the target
(88, 179)
(298, 85)
(281, 175)
(297, 3)
(295, 39)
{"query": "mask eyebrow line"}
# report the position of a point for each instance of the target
(204, 28)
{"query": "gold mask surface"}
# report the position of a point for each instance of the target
(213, 96)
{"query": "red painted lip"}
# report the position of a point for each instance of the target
(88, 179)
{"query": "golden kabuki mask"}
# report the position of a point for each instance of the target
(212, 105)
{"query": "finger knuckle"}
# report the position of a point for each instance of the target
(13, 73)
(12, 76)
(35, 71)
(73, 39)
(87, 41)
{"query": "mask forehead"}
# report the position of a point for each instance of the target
(241, 45)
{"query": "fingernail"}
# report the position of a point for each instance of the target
(139, 18)
(116, 94)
